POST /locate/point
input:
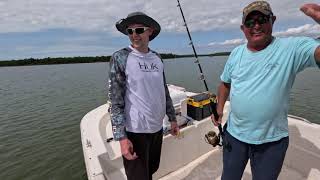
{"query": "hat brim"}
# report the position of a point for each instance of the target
(139, 19)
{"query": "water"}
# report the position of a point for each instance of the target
(41, 108)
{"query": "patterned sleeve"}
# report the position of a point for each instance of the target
(116, 95)
(171, 113)
(169, 106)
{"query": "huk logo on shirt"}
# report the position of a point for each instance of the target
(148, 67)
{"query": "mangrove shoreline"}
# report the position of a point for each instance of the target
(75, 60)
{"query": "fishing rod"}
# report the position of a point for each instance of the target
(212, 111)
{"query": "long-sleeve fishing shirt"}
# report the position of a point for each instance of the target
(138, 94)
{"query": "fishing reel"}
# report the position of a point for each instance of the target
(212, 138)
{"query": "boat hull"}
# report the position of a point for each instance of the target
(188, 156)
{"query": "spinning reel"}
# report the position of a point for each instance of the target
(212, 138)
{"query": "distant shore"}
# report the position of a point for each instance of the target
(75, 60)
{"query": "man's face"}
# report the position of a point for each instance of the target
(258, 29)
(139, 36)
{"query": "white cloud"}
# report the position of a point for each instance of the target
(100, 15)
(231, 42)
(305, 30)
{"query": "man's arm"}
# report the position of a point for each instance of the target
(313, 10)
(223, 94)
(317, 55)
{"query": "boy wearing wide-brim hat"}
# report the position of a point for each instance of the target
(139, 97)
(138, 18)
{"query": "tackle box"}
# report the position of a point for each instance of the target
(201, 105)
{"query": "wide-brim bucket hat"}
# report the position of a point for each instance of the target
(139, 18)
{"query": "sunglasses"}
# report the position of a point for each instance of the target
(138, 30)
(260, 20)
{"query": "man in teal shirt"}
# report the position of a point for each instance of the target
(259, 76)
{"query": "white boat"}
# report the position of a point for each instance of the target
(188, 156)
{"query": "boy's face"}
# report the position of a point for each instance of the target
(139, 35)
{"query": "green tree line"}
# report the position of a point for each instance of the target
(60, 60)
(73, 60)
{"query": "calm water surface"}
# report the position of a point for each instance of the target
(41, 108)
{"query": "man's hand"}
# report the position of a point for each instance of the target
(218, 121)
(127, 149)
(312, 10)
(174, 128)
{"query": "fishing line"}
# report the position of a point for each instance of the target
(202, 77)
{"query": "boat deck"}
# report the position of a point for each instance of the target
(302, 160)
(209, 168)
(206, 171)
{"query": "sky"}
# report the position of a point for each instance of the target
(68, 28)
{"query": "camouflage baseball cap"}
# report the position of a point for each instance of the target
(261, 6)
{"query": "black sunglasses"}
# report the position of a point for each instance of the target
(260, 20)
(138, 30)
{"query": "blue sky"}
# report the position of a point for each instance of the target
(66, 28)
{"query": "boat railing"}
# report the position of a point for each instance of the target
(299, 118)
